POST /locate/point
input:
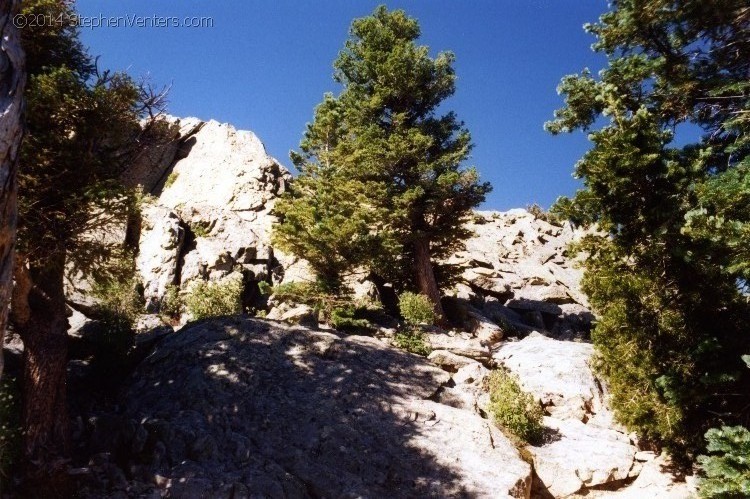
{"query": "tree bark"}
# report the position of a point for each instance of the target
(39, 314)
(12, 82)
(426, 277)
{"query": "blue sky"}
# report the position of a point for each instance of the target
(265, 65)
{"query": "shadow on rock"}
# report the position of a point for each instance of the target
(238, 407)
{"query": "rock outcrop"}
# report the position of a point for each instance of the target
(584, 452)
(212, 190)
(517, 272)
(210, 213)
(240, 407)
(557, 373)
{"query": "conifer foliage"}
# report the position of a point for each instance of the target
(83, 129)
(668, 276)
(381, 181)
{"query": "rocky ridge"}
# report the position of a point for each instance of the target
(241, 407)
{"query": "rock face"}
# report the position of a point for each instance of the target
(557, 373)
(239, 407)
(517, 271)
(581, 456)
(213, 189)
(584, 449)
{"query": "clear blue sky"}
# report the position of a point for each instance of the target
(265, 65)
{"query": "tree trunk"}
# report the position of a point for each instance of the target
(39, 314)
(426, 277)
(12, 82)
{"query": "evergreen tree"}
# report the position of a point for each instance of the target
(380, 157)
(82, 129)
(11, 128)
(666, 278)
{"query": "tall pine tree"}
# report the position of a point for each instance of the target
(83, 128)
(11, 129)
(667, 279)
(380, 157)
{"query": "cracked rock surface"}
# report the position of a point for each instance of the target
(239, 407)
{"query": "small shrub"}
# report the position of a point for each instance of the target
(172, 303)
(171, 179)
(509, 329)
(212, 299)
(416, 309)
(296, 292)
(539, 214)
(726, 472)
(200, 229)
(514, 410)
(347, 319)
(412, 340)
(338, 310)
(10, 427)
(478, 219)
(264, 289)
(119, 306)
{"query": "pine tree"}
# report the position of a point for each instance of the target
(381, 157)
(665, 285)
(726, 472)
(14, 79)
(83, 128)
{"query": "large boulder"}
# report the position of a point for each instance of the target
(159, 254)
(557, 373)
(241, 407)
(584, 448)
(581, 456)
(656, 480)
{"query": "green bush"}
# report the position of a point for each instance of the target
(264, 288)
(172, 303)
(540, 214)
(416, 309)
(171, 179)
(118, 308)
(348, 319)
(412, 340)
(514, 410)
(10, 430)
(200, 229)
(338, 310)
(212, 299)
(726, 472)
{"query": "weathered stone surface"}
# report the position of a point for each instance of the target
(160, 247)
(211, 211)
(449, 361)
(150, 170)
(581, 456)
(655, 480)
(520, 262)
(487, 332)
(150, 328)
(557, 373)
(302, 315)
(463, 344)
(245, 406)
